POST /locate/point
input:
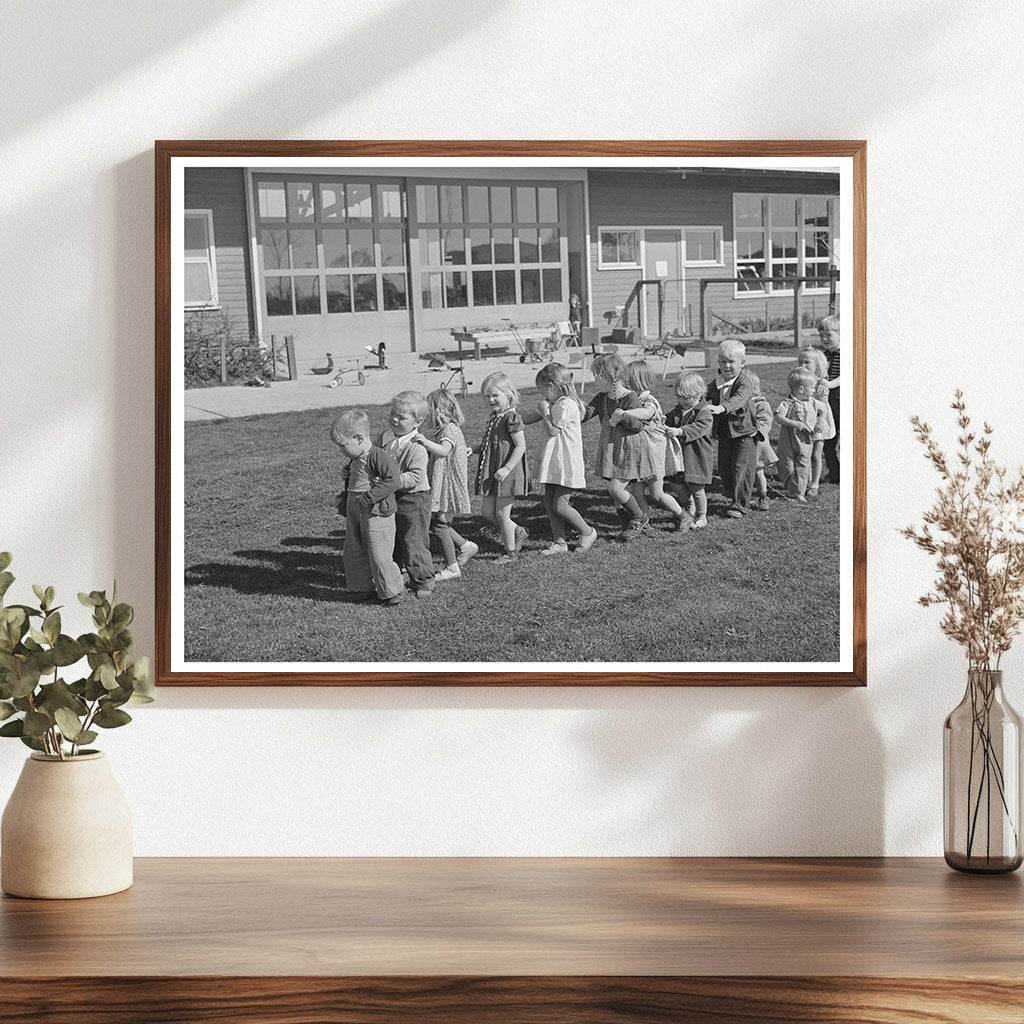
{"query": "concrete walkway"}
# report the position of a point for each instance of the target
(406, 372)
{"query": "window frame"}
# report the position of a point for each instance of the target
(210, 260)
(620, 229)
(719, 245)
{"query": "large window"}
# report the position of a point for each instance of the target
(200, 260)
(488, 245)
(331, 246)
(782, 236)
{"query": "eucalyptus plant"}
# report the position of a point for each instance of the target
(45, 711)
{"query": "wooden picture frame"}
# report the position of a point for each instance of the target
(187, 270)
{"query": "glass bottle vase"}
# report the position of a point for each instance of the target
(981, 774)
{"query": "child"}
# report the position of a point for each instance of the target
(797, 416)
(449, 479)
(503, 473)
(370, 480)
(412, 516)
(691, 422)
(576, 318)
(729, 396)
(766, 457)
(642, 382)
(817, 362)
(621, 454)
(561, 463)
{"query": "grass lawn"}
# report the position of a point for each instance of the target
(265, 580)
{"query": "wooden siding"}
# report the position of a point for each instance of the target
(222, 189)
(643, 199)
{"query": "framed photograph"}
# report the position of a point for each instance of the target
(510, 413)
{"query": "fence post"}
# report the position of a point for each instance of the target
(704, 309)
(289, 342)
(273, 356)
(767, 319)
(223, 357)
(798, 287)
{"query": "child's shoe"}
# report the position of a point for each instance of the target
(449, 572)
(393, 602)
(586, 542)
(556, 548)
(734, 512)
(760, 505)
(509, 558)
(521, 534)
(680, 521)
(635, 528)
(466, 552)
(690, 508)
(812, 492)
(699, 523)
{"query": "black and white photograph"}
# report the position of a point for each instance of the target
(590, 416)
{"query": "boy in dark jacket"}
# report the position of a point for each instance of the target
(367, 501)
(735, 427)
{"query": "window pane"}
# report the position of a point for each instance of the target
(501, 205)
(303, 245)
(272, 204)
(816, 211)
(503, 251)
(552, 285)
(702, 246)
(300, 200)
(455, 290)
(529, 249)
(547, 205)
(477, 196)
(197, 283)
(339, 293)
(453, 243)
(550, 250)
(817, 269)
(335, 247)
(609, 247)
(362, 248)
(784, 245)
(480, 245)
(195, 236)
(393, 286)
(749, 245)
(332, 202)
(748, 211)
(364, 288)
(505, 287)
(451, 203)
(279, 296)
(751, 273)
(357, 202)
(432, 293)
(389, 202)
(307, 295)
(782, 212)
(275, 249)
(816, 244)
(483, 288)
(392, 251)
(629, 247)
(430, 247)
(426, 204)
(526, 205)
(529, 285)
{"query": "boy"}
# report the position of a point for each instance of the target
(798, 416)
(368, 503)
(735, 427)
(412, 517)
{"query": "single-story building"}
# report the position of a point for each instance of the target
(341, 258)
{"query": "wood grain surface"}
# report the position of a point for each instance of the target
(499, 939)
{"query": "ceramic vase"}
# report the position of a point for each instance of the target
(66, 831)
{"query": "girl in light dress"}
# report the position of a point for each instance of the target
(503, 473)
(642, 383)
(561, 463)
(766, 457)
(690, 423)
(816, 361)
(442, 437)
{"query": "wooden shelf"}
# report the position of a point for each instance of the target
(282, 941)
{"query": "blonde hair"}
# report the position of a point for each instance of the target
(444, 408)
(801, 378)
(691, 385)
(609, 365)
(411, 401)
(641, 376)
(559, 377)
(501, 382)
(351, 423)
(829, 323)
(731, 347)
(818, 358)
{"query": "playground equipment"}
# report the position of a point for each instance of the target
(322, 370)
(352, 367)
(456, 376)
(495, 340)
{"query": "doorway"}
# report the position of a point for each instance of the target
(663, 260)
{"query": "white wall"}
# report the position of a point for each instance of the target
(936, 88)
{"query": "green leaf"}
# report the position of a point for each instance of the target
(50, 595)
(141, 676)
(87, 736)
(36, 723)
(40, 593)
(122, 616)
(5, 559)
(13, 624)
(59, 695)
(107, 676)
(27, 681)
(94, 689)
(39, 636)
(89, 600)
(111, 718)
(51, 626)
(69, 724)
(67, 651)
(6, 710)
(6, 579)
(15, 728)
(94, 645)
(31, 741)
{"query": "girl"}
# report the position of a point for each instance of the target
(641, 382)
(503, 473)
(766, 457)
(561, 462)
(621, 454)
(817, 362)
(691, 422)
(449, 486)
